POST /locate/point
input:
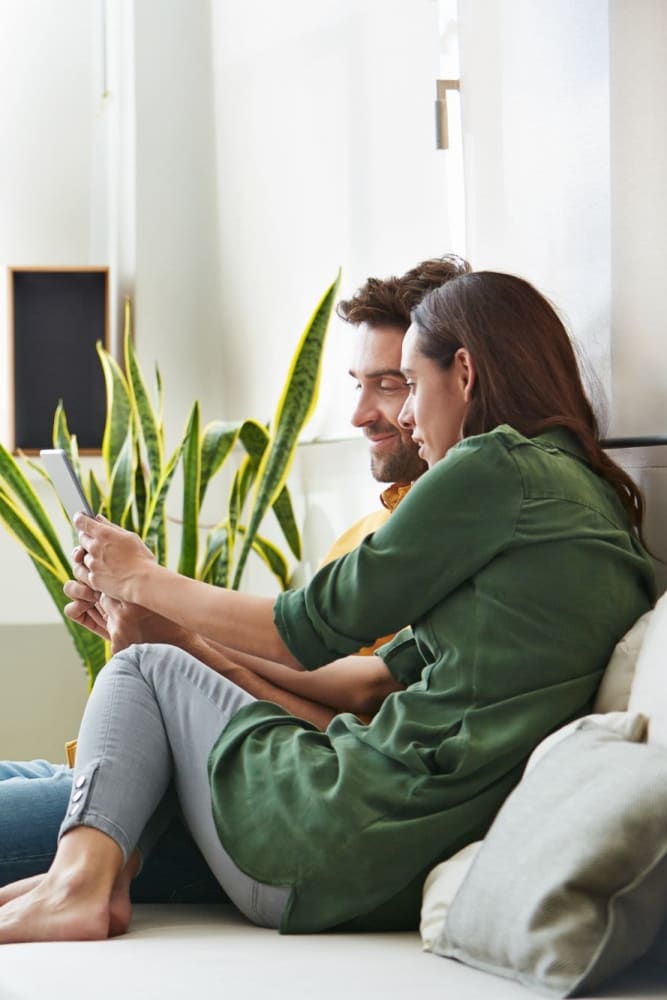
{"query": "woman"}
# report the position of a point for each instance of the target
(518, 561)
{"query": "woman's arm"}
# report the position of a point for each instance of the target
(357, 684)
(117, 563)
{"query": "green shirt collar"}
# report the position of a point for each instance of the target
(564, 440)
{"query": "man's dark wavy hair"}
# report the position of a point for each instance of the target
(389, 301)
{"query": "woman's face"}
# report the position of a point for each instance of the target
(437, 400)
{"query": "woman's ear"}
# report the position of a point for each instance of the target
(466, 372)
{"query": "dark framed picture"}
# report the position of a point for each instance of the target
(56, 318)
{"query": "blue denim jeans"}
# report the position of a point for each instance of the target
(33, 801)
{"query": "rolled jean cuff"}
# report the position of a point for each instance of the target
(81, 810)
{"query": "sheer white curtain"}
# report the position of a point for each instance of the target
(535, 106)
(639, 214)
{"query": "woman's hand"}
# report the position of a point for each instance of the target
(114, 560)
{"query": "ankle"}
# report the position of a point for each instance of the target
(86, 860)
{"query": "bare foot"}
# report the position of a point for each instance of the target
(120, 907)
(14, 889)
(53, 913)
(73, 901)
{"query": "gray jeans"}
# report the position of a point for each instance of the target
(151, 721)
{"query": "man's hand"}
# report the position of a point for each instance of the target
(130, 623)
(84, 608)
(117, 621)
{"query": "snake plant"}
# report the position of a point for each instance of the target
(138, 476)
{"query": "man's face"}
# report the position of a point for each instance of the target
(381, 389)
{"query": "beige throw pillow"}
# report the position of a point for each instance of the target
(614, 691)
(570, 884)
(649, 687)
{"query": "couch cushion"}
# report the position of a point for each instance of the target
(614, 691)
(570, 884)
(445, 880)
(649, 687)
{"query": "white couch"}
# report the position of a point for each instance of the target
(178, 951)
(196, 952)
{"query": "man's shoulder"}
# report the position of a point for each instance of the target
(356, 533)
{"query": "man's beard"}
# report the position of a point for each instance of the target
(403, 465)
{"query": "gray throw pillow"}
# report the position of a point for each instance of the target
(570, 884)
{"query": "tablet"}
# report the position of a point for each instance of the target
(57, 464)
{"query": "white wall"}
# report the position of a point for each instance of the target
(224, 160)
(46, 121)
(326, 158)
(535, 105)
(260, 146)
(639, 214)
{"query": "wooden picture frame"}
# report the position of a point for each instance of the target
(57, 315)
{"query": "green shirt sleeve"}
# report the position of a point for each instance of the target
(456, 518)
(402, 657)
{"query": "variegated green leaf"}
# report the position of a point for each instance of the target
(95, 494)
(90, 647)
(60, 433)
(217, 443)
(121, 487)
(255, 438)
(282, 508)
(273, 558)
(154, 524)
(148, 426)
(219, 574)
(187, 562)
(34, 543)
(18, 486)
(216, 544)
(118, 413)
(294, 408)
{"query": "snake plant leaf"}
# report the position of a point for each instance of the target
(220, 570)
(122, 481)
(239, 491)
(90, 647)
(255, 438)
(32, 540)
(218, 440)
(273, 558)
(118, 410)
(187, 563)
(60, 433)
(294, 408)
(216, 545)
(95, 494)
(19, 487)
(62, 438)
(148, 425)
(284, 511)
(154, 530)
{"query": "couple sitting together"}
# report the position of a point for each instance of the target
(276, 752)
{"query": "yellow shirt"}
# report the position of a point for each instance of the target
(354, 536)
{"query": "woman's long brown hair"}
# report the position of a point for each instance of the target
(527, 371)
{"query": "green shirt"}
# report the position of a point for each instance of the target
(516, 566)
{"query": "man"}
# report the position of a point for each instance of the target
(33, 803)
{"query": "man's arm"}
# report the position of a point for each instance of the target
(355, 684)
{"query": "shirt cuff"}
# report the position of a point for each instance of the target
(402, 657)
